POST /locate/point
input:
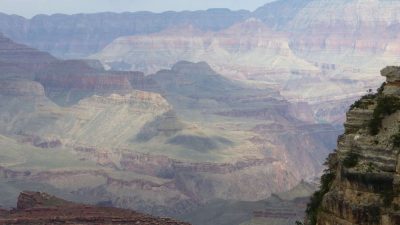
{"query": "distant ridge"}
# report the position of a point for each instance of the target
(95, 31)
(278, 13)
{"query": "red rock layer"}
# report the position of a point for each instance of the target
(36, 208)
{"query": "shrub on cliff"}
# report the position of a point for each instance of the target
(351, 160)
(381, 88)
(386, 106)
(362, 103)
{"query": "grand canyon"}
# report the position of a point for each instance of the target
(208, 117)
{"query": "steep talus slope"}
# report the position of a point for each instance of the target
(361, 184)
(37, 208)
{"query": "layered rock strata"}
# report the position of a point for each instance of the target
(362, 184)
(37, 208)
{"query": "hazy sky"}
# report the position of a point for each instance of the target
(29, 8)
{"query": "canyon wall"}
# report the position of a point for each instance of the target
(361, 184)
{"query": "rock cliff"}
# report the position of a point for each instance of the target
(37, 208)
(362, 182)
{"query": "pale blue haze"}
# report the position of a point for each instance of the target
(29, 8)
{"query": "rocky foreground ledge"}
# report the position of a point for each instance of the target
(35, 208)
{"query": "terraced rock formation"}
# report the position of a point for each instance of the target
(246, 50)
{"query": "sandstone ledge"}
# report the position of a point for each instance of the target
(35, 208)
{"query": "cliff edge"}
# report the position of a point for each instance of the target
(362, 182)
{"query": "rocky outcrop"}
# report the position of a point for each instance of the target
(361, 185)
(392, 74)
(29, 200)
(37, 208)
